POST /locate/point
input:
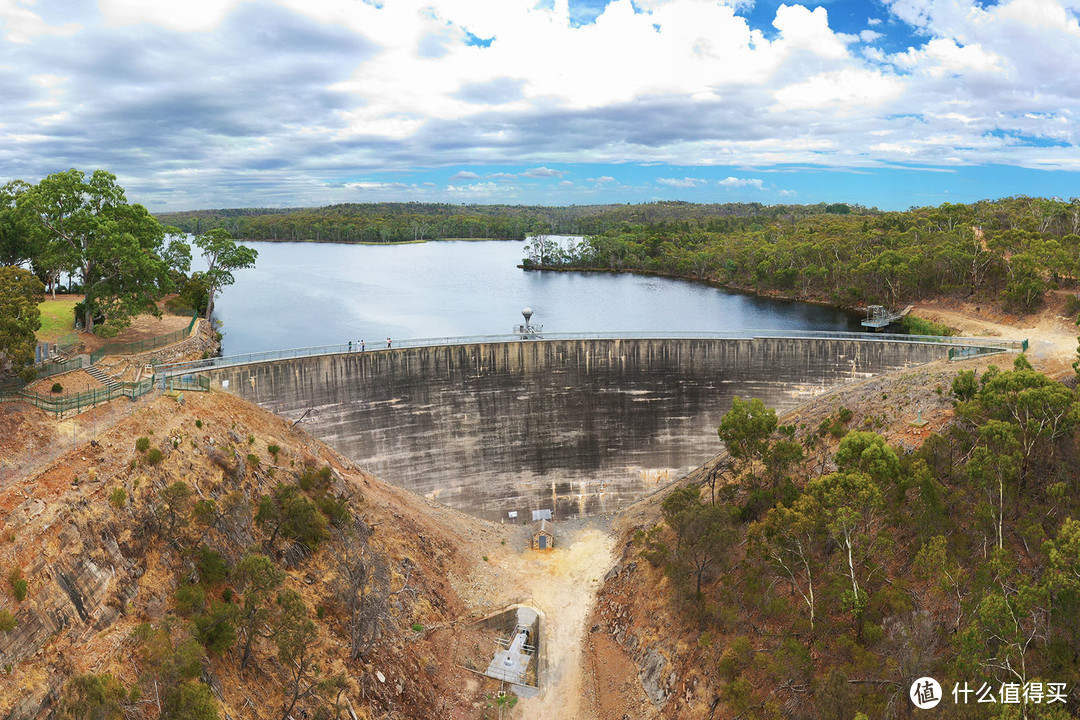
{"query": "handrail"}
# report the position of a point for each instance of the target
(345, 348)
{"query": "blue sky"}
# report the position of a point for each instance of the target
(224, 103)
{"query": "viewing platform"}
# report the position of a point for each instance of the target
(879, 317)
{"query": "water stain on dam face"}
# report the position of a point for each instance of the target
(581, 426)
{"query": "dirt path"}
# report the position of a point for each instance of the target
(563, 584)
(1053, 337)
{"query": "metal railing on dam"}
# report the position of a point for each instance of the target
(983, 343)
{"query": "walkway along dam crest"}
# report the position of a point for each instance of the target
(580, 425)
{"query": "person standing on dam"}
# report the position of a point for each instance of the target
(361, 346)
(388, 343)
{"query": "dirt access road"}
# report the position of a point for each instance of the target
(1053, 336)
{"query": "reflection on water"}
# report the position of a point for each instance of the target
(305, 294)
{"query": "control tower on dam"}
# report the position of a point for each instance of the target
(579, 426)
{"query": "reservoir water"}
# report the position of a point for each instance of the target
(306, 294)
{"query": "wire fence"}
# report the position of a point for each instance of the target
(991, 344)
(139, 346)
(60, 404)
(50, 369)
(197, 383)
(67, 342)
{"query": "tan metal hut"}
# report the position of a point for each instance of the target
(543, 536)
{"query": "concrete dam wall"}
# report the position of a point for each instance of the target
(580, 426)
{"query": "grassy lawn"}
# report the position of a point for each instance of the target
(57, 318)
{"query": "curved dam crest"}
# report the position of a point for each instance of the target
(578, 426)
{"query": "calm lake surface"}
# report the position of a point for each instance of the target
(306, 294)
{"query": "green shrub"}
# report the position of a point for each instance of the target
(212, 566)
(287, 513)
(273, 450)
(118, 497)
(919, 326)
(251, 439)
(1072, 305)
(336, 510)
(845, 415)
(198, 423)
(142, 444)
(216, 628)
(57, 387)
(19, 586)
(7, 621)
(189, 599)
(317, 480)
(154, 456)
(253, 460)
(964, 385)
(417, 627)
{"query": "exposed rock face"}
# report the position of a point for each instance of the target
(653, 678)
(100, 562)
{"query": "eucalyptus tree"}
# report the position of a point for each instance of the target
(86, 224)
(20, 318)
(850, 503)
(223, 255)
(16, 240)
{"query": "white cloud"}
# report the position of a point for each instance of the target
(20, 25)
(543, 172)
(809, 30)
(376, 186)
(481, 190)
(845, 90)
(734, 182)
(686, 182)
(345, 89)
(47, 80)
(942, 56)
(181, 15)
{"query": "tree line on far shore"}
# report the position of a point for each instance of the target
(413, 222)
(121, 258)
(1015, 249)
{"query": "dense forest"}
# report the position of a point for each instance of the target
(824, 570)
(1014, 248)
(408, 222)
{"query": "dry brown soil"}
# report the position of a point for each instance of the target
(143, 327)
